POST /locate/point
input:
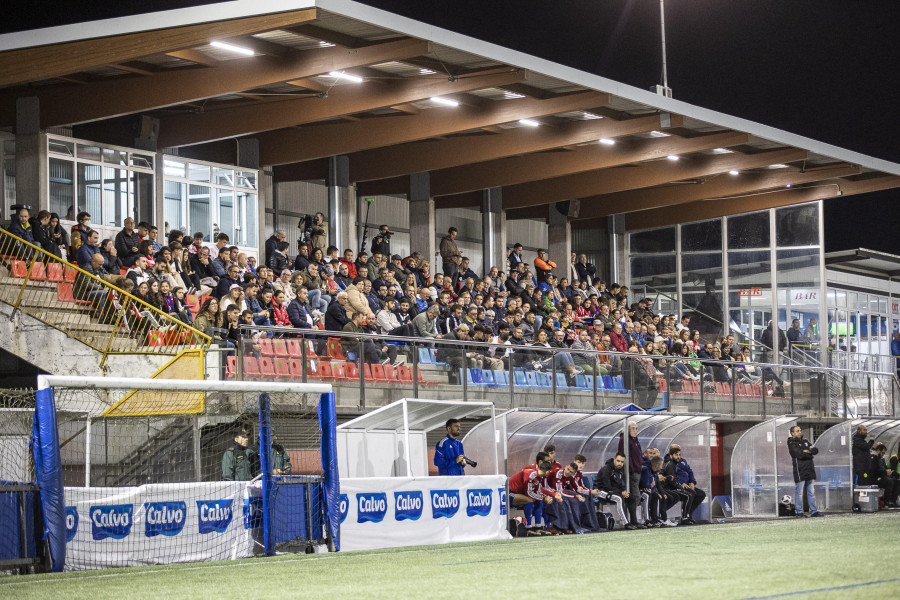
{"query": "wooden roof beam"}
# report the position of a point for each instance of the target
(725, 189)
(446, 160)
(317, 141)
(345, 99)
(63, 106)
(43, 62)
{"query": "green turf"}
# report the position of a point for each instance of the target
(734, 560)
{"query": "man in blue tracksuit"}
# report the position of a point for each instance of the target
(449, 457)
(688, 483)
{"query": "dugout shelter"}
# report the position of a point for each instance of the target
(761, 471)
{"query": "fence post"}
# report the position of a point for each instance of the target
(791, 372)
(869, 390)
(764, 393)
(553, 377)
(844, 392)
(415, 370)
(464, 375)
(361, 359)
(303, 357)
(594, 379)
(512, 379)
(702, 388)
(668, 379)
(733, 392)
(633, 386)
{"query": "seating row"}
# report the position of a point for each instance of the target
(539, 380)
(321, 370)
(52, 271)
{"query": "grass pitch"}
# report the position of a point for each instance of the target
(845, 556)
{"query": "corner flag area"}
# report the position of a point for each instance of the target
(842, 556)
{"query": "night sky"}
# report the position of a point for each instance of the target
(825, 69)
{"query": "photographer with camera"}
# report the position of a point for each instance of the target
(449, 457)
(318, 232)
(381, 243)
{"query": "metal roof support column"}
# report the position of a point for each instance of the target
(32, 178)
(421, 219)
(339, 217)
(560, 236)
(493, 227)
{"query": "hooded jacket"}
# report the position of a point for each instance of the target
(862, 453)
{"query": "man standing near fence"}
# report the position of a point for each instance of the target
(802, 452)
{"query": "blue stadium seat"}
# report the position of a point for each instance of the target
(520, 379)
(487, 376)
(561, 381)
(501, 378)
(473, 377)
(589, 382)
(434, 358)
(531, 379)
(425, 357)
(619, 384)
(608, 382)
(543, 380)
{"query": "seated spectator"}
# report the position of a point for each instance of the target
(80, 232)
(347, 260)
(356, 299)
(20, 226)
(387, 321)
(234, 296)
(343, 278)
(138, 273)
(88, 288)
(201, 265)
(250, 339)
(230, 278)
(610, 482)
(318, 299)
(372, 354)
(88, 250)
(336, 315)
(680, 483)
(278, 314)
(208, 316)
(300, 312)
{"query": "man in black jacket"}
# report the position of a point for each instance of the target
(127, 243)
(610, 482)
(882, 477)
(862, 456)
(336, 314)
(802, 452)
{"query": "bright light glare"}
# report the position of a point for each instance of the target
(658, 134)
(444, 101)
(426, 72)
(607, 141)
(778, 166)
(722, 151)
(324, 44)
(589, 115)
(788, 185)
(733, 172)
(339, 75)
(673, 157)
(232, 48)
(529, 122)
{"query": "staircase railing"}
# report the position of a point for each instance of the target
(85, 307)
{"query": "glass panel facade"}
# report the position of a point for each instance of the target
(705, 235)
(749, 231)
(860, 338)
(799, 300)
(62, 187)
(797, 225)
(701, 290)
(8, 179)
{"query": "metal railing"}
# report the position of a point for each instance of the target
(540, 377)
(85, 307)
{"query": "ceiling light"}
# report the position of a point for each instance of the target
(733, 172)
(658, 134)
(444, 101)
(232, 48)
(529, 122)
(345, 76)
(426, 72)
(778, 166)
(589, 115)
(673, 157)
(324, 44)
(607, 141)
(512, 95)
(722, 151)
(788, 185)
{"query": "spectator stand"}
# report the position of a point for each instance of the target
(522, 432)
(761, 469)
(387, 497)
(835, 459)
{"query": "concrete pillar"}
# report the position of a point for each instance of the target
(338, 180)
(493, 224)
(350, 211)
(421, 219)
(560, 236)
(32, 178)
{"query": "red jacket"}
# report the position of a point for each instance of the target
(281, 315)
(528, 482)
(351, 267)
(618, 341)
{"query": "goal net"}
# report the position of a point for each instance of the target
(149, 471)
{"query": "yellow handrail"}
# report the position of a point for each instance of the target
(34, 294)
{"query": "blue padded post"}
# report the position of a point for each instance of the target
(268, 482)
(48, 468)
(331, 485)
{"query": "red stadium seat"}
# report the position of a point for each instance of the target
(282, 369)
(266, 368)
(54, 272)
(334, 349)
(19, 269)
(390, 373)
(279, 347)
(64, 294)
(251, 368)
(323, 371)
(230, 367)
(338, 370)
(296, 367)
(351, 371)
(404, 374)
(378, 374)
(265, 347)
(70, 273)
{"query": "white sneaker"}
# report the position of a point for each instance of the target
(386, 361)
(400, 360)
(670, 523)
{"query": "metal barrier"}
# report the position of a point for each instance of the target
(538, 377)
(85, 307)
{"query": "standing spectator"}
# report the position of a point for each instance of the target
(381, 243)
(80, 232)
(128, 243)
(272, 243)
(319, 238)
(586, 271)
(58, 236)
(278, 260)
(450, 254)
(449, 456)
(542, 266)
(635, 455)
(515, 257)
(802, 452)
(862, 455)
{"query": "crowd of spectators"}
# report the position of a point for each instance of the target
(554, 499)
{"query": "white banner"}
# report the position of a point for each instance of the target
(415, 511)
(157, 524)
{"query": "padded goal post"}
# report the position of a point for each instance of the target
(154, 471)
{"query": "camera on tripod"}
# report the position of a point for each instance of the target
(305, 225)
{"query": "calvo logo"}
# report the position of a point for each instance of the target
(345, 506)
(478, 503)
(164, 518)
(408, 505)
(371, 507)
(111, 521)
(502, 492)
(444, 503)
(71, 523)
(214, 515)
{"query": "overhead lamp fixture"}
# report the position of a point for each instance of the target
(345, 76)
(788, 185)
(507, 95)
(444, 101)
(607, 141)
(658, 134)
(232, 48)
(529, 122)
(324, 44)
(778, 166)
(722, 151)
(673, 157)
(589, 116)
(426, 72)
(733, 172)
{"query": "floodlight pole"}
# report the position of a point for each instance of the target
(662, 26)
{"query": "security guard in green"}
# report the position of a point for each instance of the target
(237, 462)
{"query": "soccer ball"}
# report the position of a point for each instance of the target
(786, 499)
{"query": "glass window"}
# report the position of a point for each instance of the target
(705, 235)
(797, 225)
(174, 202)
(115, 157)
(199, 210)
(62, 188)
(654, 276)
(88, 152)
(840, 298)
(198, 172)
(654, 240)
(117, 196)
(89, 192)
(749, 296)
(701, 291)
(222, 176)
(798, 276)
(173, 168)
(245, 233)
(144, 161)
(61, 147)
(852, 300)
(246, 179)
(748, 231)
(226, 212)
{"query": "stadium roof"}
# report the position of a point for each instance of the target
(866, 261)
(544, 132)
